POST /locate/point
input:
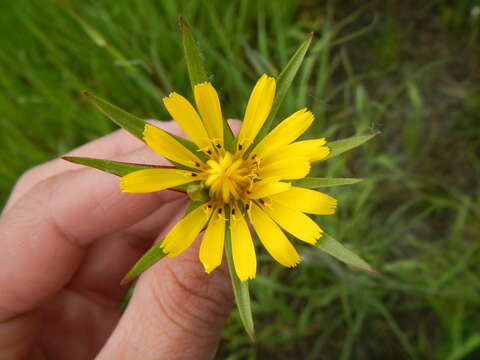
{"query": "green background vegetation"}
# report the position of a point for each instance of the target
(406, 68)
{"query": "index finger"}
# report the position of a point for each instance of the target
(45, 235)
(117, 143)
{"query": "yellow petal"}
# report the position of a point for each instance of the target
(150, 180)
(211, 249)
(184, 232)
(264, 188)
(165, 145)
(295, 222)
(285, 167)
(314, 150)
(258, 109)
(306, 200)
(308, 150)
(243, 250)
(285, 132)
(273, 238)
(208, 105)
(320, 154)
(186, 116)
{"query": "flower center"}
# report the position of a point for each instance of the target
(229, 177)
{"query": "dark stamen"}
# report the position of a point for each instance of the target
(209, 152)
(209, 206)
(194, 174)
(233, 211)
(262, 202)
(220, 210)
(197, 164)
(219, 146)
(247, 206)
(240, 147)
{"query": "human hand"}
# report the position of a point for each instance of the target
(68, 236)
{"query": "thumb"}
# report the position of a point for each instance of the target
(177, 312)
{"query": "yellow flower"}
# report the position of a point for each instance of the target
(251, 184)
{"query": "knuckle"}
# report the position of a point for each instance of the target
(192, 300)
(28, 178)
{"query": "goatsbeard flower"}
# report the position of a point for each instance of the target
(249, 183)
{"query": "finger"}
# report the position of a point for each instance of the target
(109, 260)
(118, 143)
(45, 235)
(177, 312)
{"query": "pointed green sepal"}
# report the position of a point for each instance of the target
(332, 247)
(118, 168)
(128, 297)
(340, 146)
(197, 72)
(240, 290)
(129, 122)
(151, 257)
(284, 81)
(318, 182)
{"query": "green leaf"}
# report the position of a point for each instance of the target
(284, 81)
(340, 146)
(196, 70)
(198, 74)
(318, 182)
(113, 167)
(240, 290)
(151, 257)
(119, 116)
(342, 253)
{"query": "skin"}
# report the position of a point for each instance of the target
(67, 238)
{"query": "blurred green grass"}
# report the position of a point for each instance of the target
(405, 68)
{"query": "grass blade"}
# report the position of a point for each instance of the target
(318, 182)
(240, 290)
(340, 146)
(284, 81)
(342, 253)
